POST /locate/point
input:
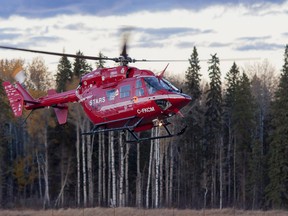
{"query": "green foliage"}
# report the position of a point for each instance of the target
(64, 74)
(277, 189)
(100, 63)
(193, 76)
(214, 99)
(243, 114)
(80, 65)
(232, 78)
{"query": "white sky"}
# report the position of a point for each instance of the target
(258, 31)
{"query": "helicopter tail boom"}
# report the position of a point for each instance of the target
(19, 98)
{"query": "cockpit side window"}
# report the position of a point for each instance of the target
(152, 84)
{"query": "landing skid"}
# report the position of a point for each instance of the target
(100, 128)
(169, 134)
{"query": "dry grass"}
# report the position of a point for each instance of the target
(138, 212)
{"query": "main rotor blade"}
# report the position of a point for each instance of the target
(201, 60)
(58, 54)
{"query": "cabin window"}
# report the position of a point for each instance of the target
(139, 88)
(111, 94)
(125, 91)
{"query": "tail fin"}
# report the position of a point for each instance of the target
(17, 95)
(61, 110)
(15, 98)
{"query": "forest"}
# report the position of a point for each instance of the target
(233, 154)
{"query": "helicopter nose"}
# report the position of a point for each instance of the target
(178, 101)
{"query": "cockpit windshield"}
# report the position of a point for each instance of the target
(154, 84)
(174, 88)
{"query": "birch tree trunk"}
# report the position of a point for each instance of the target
(113, 170)
(104, 168)
(62, 192)
(157, 163)
(167, 175)
(109, 171)
(78, 161)
(46, 203)
(149, 171)
(161, 147)
(221, 173)
(121, 174)
(100, 169)
(39, 178)
(171, 175)
(84, 168)
(138, 180)
(126, 174)
(90, 141)
(60, 196)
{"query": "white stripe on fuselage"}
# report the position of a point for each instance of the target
(130, 102)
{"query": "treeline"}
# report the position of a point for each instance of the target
(233, 154)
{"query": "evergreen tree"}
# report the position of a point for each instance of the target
(277, 188)
(243, 127)
(214, 99)
(100, 63)
(191, 150)
(80, 65)
(232, 78)
(213, 130)
(64, 74)
(193, 76)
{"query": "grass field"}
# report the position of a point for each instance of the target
(138, 212)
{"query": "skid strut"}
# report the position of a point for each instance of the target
(100, 128)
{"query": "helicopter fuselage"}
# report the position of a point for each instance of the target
(112, 96)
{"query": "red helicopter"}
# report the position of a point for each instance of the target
(114, 99)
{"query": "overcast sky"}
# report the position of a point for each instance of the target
(165, 29)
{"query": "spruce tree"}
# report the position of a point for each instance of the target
(191, 151)
(243, 127)
(100, 63)
(193, 77)
(214, 99)
(277, 188)
(80, 65)
(213, 129)
(64, 74)
(232, 79)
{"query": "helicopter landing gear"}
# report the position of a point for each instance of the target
(169, 134)
(100, 128)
